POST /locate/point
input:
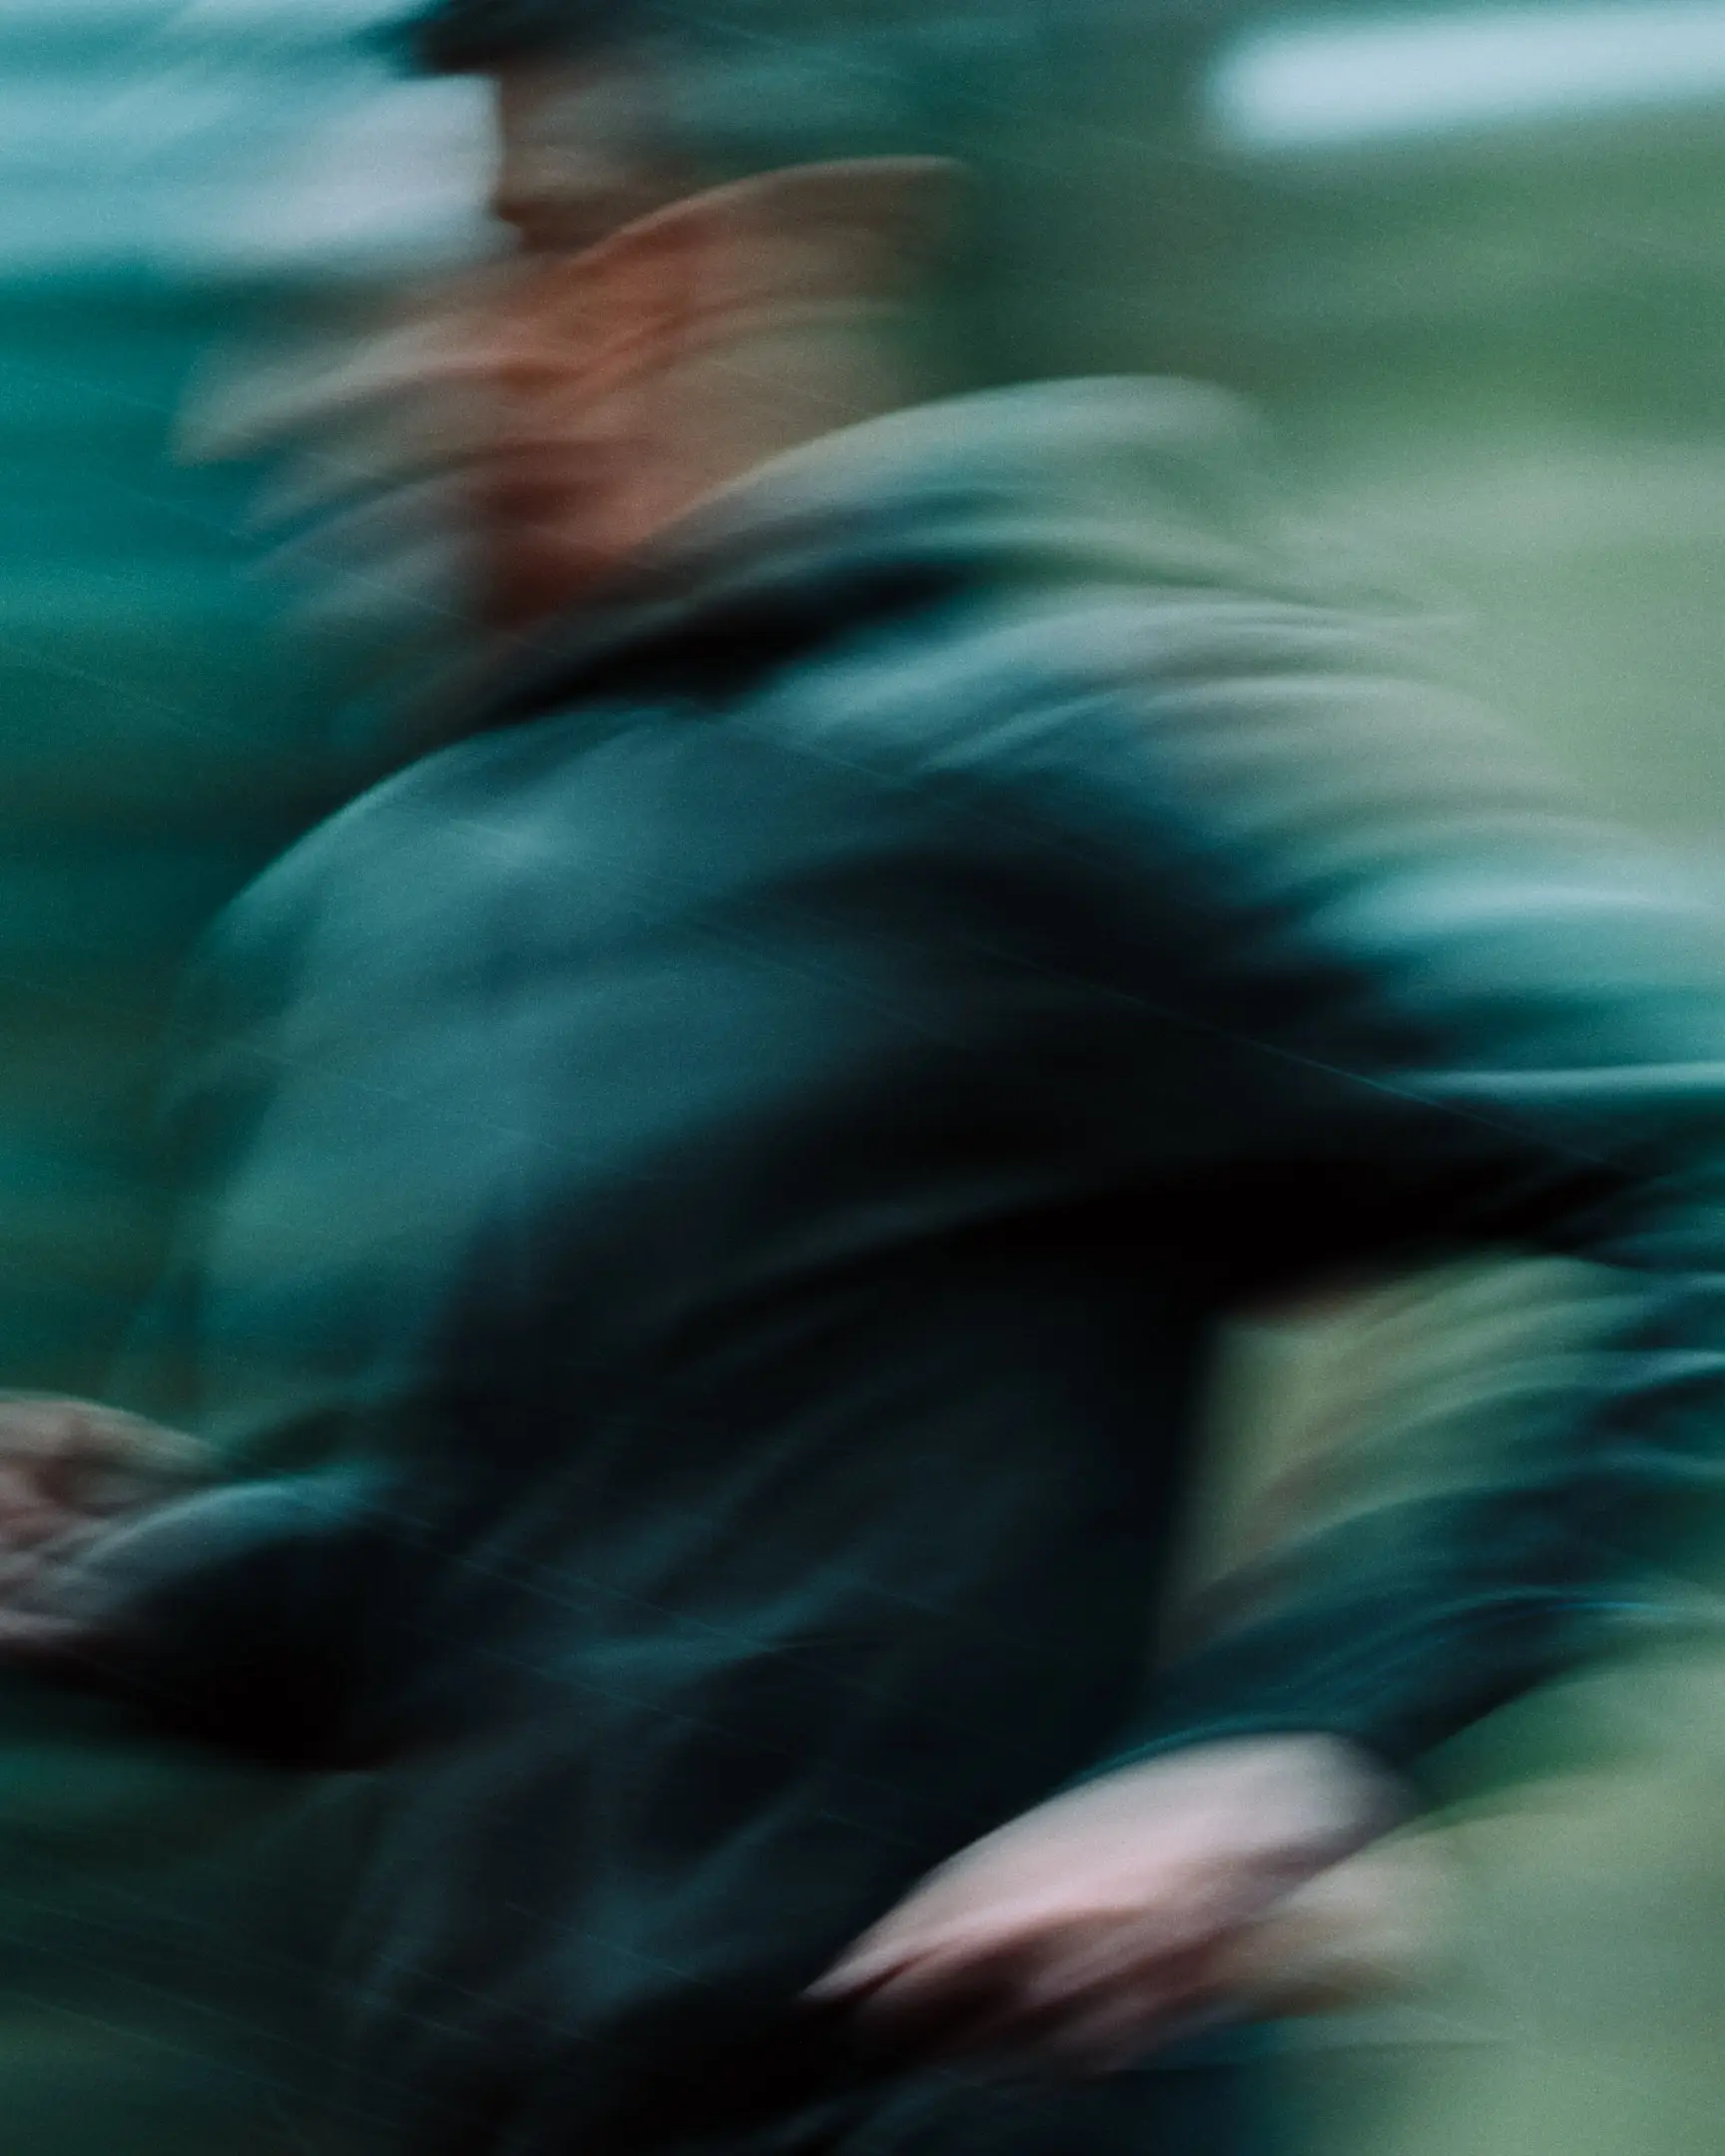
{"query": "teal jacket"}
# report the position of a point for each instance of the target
(722, 1185)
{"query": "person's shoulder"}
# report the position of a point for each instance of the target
(1102, 691)
(1255, 746)
(964, 692)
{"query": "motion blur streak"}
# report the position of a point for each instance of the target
(272, 366)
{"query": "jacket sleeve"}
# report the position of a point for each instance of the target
(231, 1617)
(1352, 983)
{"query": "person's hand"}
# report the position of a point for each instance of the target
(71, 1471)
(1156, 1899)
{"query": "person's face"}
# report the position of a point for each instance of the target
(427, 457)
(532, 423)
(578, 154)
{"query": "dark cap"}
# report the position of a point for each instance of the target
(459, 37)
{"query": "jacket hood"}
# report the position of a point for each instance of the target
(1083, 482)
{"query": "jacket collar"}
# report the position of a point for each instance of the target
(1119, 480)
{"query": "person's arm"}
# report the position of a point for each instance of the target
(225, 1613)
(1343, 984)
(1354, 986)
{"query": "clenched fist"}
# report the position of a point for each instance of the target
(1198, 1886)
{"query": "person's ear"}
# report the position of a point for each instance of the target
(809, 243)
(866, 229)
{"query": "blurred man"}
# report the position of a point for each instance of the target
(722, 1181)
